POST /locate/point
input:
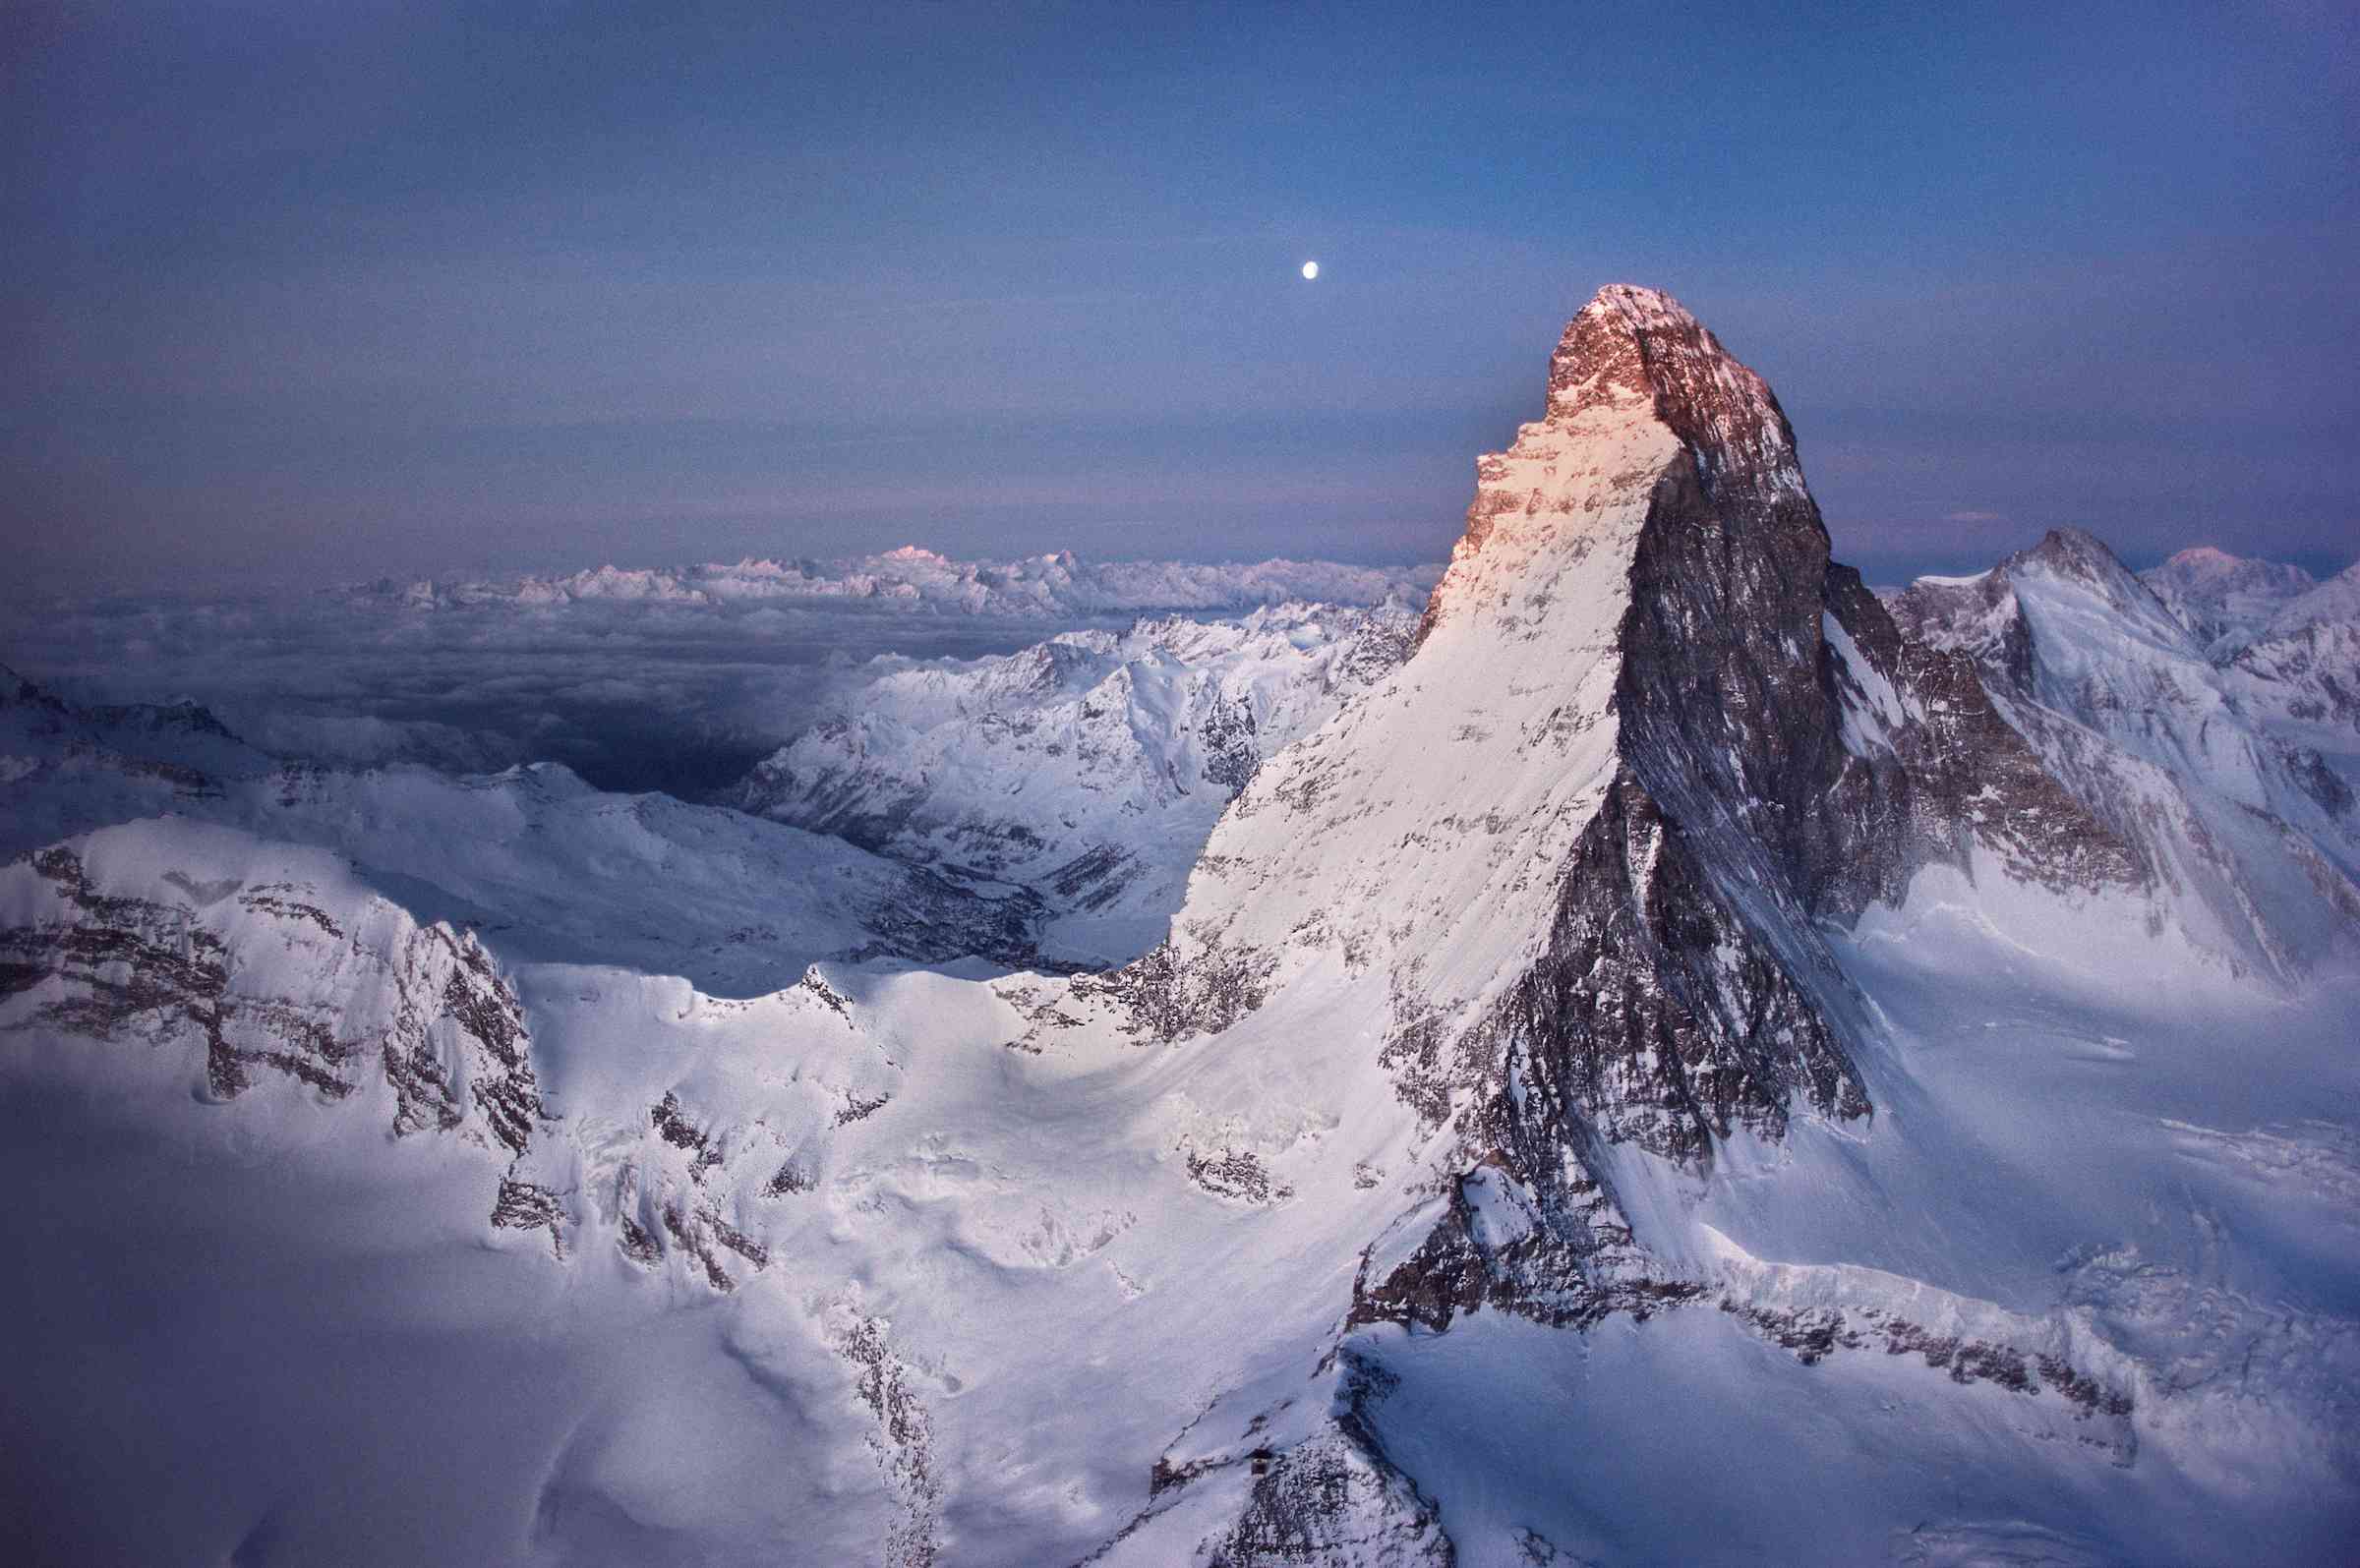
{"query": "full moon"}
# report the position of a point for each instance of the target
(1311, 269)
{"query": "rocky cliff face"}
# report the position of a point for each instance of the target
(1781, 755)
(274, 973)
(279, 968)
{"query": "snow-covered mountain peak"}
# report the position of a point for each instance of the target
(2244, 840)
(2214, 571)
(2076, 557)
(2074, 575)
(1089, 766)
(1603, 357)
(2298, 660)
(1648, 727)
(1513, 1054)
(2336, 601)
(2078, 553)
(2225, 600)
(913, 579)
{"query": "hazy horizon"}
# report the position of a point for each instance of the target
(306, 298)
(1900, 568)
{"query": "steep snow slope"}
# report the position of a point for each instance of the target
(1683, 728)
(2301, 672)
(2251, 841)
(1091, 767)
(1665, 1075)
(979, 1301)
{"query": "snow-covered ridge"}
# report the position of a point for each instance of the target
(677, 680)
(2289, 647)
(1058, 584)
(2248, 840)
(1089, 767)
(2333, 601)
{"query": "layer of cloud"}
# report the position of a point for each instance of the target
(676, 680)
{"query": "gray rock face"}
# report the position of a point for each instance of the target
(1964, 773)
(1780, 755)
(273, 980)
(1765, 689)
(1290, 1486)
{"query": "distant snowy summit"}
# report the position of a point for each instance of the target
(1059, 585)
(2290, 644)
(2225, 600)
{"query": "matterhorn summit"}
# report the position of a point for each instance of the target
(1649, 737)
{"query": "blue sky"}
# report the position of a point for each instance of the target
(327, 291)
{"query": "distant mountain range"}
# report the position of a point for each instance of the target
(1054, 586)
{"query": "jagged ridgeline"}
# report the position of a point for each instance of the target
(1651, 735)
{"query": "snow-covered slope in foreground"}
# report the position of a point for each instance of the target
(1667, 1075)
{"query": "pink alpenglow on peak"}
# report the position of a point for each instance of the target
(2225, 600)
(1632, 345)
(1639, 390)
